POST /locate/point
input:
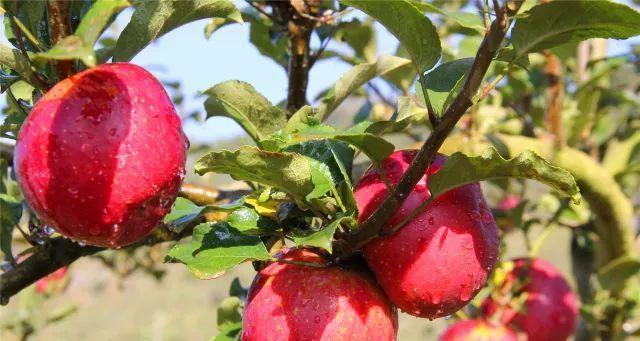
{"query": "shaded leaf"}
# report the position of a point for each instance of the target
(154, 18)
(443, 83)
(408, 113)
(229, 333)
(10, 213)
(355, 78)
(16, 61)
(409, 25)
(182, 212)
(560, 22)
(324, 237)
(241, 102)
(460, 169)
(229, 312)
(464, 19)
(216, 248)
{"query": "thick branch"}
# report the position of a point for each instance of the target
(554, 96)
(372, 227)
(59, 252)
(59, 28)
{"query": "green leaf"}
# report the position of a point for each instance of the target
(71, 47)
(355, 78)
(216, 248)
(10, 213)
(290, 172)
(441, 83)
(560, 22)
(229, 333)
(464, 19)
(96, 19)
(216, 24)
(461, 169)
(154, 18)
(613, 275)
(182, 212)
(269, 43)
(16, 61)
(408, 113)
(409, 25)
(373, 146)
(323, 238)
(360, 36)
(229, 312)
(241, 102)
(80, 44)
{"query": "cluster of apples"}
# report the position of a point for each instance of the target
(101, 158)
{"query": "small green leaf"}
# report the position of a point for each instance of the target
(408, 113)
(324, 237)
(355, 78)
(216, 248)
(16, 61)
(360, 36)
(70, 47)
(154, 18)
(441, 83)
(216, 24)
(182, 212)
(613, 275)
(560, 22)
(10, 213)
(229, 312)
(268, 42)
(241, 102)
(289, 172)
(461, 169)
(229, 333)
(409, 25)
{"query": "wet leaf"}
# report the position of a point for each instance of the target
(216, 248)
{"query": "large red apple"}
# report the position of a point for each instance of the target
(441, 258)
(101, 156)
(301, 302)
(478, 330)
(550, 308)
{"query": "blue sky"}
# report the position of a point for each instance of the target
(186, 55)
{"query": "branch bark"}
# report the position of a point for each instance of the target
(59, 28)
(372, 227)
(59, 252)
(554, 96)
(301, 17)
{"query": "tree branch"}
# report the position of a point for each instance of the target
(59, 252)
(372, 227)
(59, 28)
(300, 17)
(554, 96)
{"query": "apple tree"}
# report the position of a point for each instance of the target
(346, 215)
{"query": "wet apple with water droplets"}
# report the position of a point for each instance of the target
(307, 302)
(443, 256)
(101, 156)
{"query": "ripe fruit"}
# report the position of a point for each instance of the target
(439, 260)
(301, 302)
(477, 330)
(51, 281)
(550, 309)
(101, 156)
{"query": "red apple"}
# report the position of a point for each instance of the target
(301, 302)
(101, 156)
(442, 257)
(477, 330)
(550, 308)
(44, 285)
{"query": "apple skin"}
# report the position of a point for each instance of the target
(477, 330)
(298, 302)
(551, 307)
(441, 258)
(101, 156)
